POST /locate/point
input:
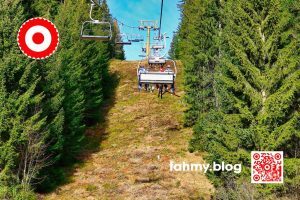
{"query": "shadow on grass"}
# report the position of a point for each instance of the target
(94, 135)
(97, 133)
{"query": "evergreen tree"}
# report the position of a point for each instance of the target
(45, 105)
(81, 67)
(44, 8)
(11, 14)
(69, 61)
(26, 124)
(174, 50)
(119, 50)
(258, 88)
(199, 52)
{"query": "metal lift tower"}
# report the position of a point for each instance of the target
(149, 25)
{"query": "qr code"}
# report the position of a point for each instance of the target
(266, 167)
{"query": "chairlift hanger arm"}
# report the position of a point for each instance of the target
(91, 11)
(165, 43)
(93, 2)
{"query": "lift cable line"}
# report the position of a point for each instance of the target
(126, 38)
(160, 20)
(128, 26)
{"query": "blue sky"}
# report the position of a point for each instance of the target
(131, 11)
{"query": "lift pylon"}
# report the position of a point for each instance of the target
(149, 25)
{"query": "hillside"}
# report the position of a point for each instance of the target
(128, 154)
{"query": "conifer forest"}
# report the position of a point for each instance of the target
(238, 91)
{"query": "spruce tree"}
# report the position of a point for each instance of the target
(258, 86)
(11, 15)
(24, 121)
(119, 50)
(198, 51)
(81, 67)
(70, 60)
(45, 105)
(174, 50)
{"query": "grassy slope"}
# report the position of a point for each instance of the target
(128, 154)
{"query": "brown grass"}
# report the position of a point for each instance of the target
(140, 135)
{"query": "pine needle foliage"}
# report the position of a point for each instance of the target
(242, 67)
(46, 105)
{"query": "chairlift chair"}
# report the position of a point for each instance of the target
(135, 38)
(95, 29)
(156, 57)
(161, 44)
(157, 37)
(158, 46)
(156, 60)
(161, 78)
(122, 39)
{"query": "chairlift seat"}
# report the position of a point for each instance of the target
(156, 60)
(149, 75)
(157, 78)
(158, 47)
(123, 43)
(99, 38)
(122, 39)
(87, 31)
(135, 40)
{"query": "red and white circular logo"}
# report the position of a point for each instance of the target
(38, 38)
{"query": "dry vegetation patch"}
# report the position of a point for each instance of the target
(140, 135)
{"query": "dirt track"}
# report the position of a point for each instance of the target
(129, 154)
